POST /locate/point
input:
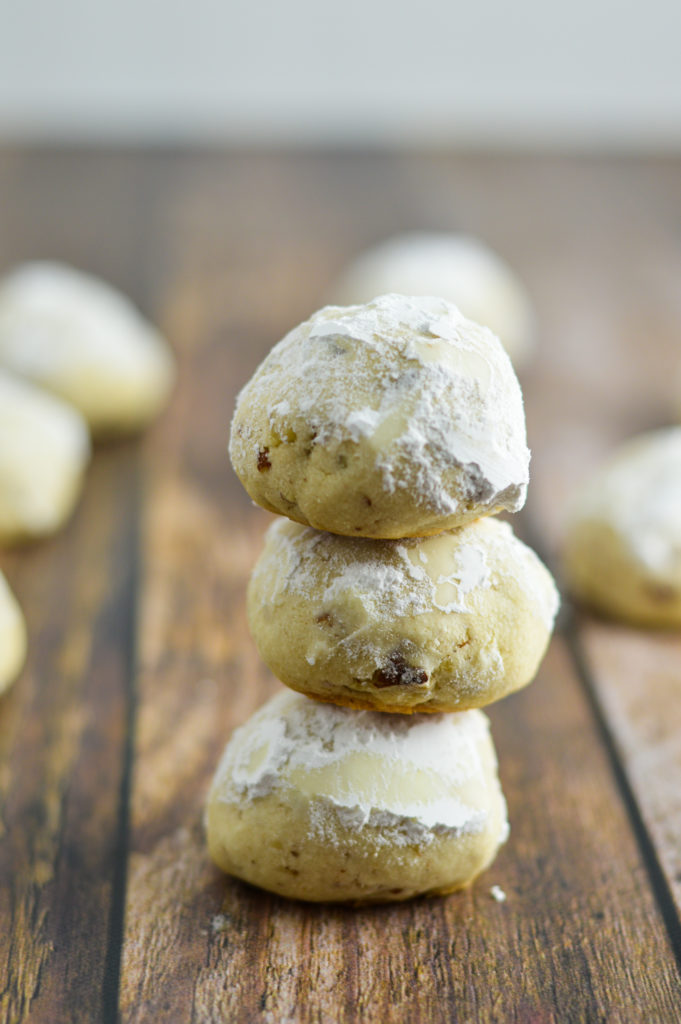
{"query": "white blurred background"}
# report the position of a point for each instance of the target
(592, 73)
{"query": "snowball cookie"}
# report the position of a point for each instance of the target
(434, 624)
(460, 269)
(12, 636)
(320, 803)
(623, 544)
(44, 449)
(395, 419)
(84, 341)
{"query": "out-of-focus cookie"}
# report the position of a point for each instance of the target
(395, 419)
(440, 623)
(12, 636)
(623, 543)
(84, 341)
(44, 450)
(461, 269)
(317, 802)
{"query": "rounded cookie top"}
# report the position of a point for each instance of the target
(398, 418)
(462, 270)
(440, 623)
(623, 541)
(81, 339)
(318, 802)
(44, 450)
(12, 636)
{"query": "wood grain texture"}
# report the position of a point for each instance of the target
(246, 955)
(143, 666)
(610, 367)
(64, 725)
(635, 677)
(62, 733)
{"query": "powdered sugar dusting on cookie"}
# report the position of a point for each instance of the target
(405, 774)
(56, 321)
(420, 622)
(460, 269)
(431, 396)
(539, 586)
(400, 578)
(639, 494)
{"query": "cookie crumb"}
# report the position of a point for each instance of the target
(498, 894)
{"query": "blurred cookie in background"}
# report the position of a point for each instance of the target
(81, 339)
(458, 268)
(44, 451)
(12, 636)
(623, 543)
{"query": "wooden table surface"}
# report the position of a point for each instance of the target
(140, 662)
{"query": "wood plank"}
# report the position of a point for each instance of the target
(236, 249)
(63, 727)
(612, 368)
(635, 677)
(581, 926)
(62, 734)
(574, 941)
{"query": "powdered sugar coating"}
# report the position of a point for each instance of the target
(639, 493)
(12, 636)
(319, 803)
(81, 339)
(623, 544)
(403, 775)
(393, 419)
(439, 623)
(461, 269)
(404, 578)
(44, 449)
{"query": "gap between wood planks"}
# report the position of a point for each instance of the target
(567, 626)
(111, 981)
(658, 880)
(115, 930)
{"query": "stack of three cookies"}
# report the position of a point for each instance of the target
(387, 435)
